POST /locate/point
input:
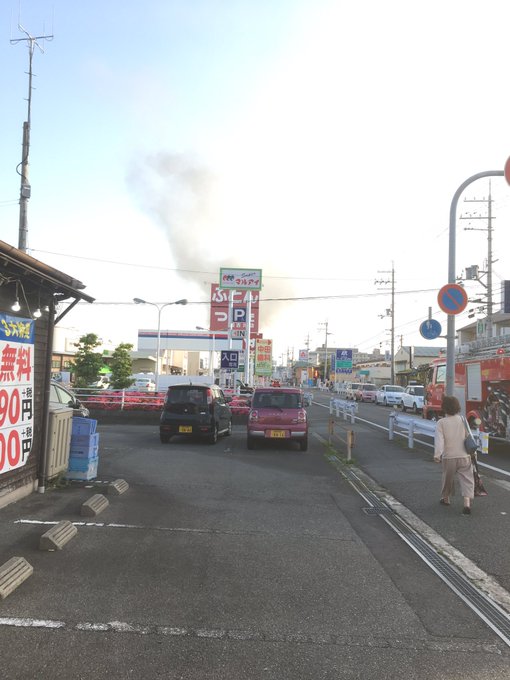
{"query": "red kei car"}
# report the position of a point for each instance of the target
(277, 413)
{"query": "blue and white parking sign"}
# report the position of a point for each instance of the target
(230, 358)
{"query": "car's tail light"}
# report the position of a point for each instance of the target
(254, 416)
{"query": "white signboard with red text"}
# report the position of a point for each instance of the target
(16, 391)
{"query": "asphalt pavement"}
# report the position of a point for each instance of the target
(218, 562)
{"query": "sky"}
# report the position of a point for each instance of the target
(321, 141)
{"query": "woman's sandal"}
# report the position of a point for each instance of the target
(443, 502)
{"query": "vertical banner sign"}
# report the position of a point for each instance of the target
(263, 357)
(16, 391)
(343, 361)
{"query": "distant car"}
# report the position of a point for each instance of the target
(277, 413)
(389, 395)
(366, 392)
(275, 383)
(412, 398)
(61, 396)
(351, 391)
(195, 410)
(143, 385)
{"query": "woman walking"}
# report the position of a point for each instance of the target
(449, 449)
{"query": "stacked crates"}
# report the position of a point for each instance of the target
(83, 455)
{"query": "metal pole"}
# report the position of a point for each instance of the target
(450, 328)
(156, 377)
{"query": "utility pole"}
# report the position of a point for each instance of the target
(390, 312)
(490, 261)
(325, 324)
(25, 190)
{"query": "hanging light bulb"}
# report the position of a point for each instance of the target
(16, 306)
(37, 313)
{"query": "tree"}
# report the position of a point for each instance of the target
(87, 363)
(122, 367)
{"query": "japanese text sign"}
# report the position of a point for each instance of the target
(241, 279)
(16, 391)
(263, 357)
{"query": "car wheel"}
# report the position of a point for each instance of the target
(404, 409)
(415, 408)
(229, 429)
(250, 443)
(213, 438)
(385, 403)
(164, 438)
(303, 444)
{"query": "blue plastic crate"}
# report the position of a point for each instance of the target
(81, 464)
(83, 426)
(83, 440)
(89, 473)
(83, 452)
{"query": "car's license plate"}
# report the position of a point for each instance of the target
(277, 434)
(185, 428)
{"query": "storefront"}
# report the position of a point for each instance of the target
(31, 304)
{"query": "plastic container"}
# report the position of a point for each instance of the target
(83, 426)
(81, 464)
(82, 440)
(81, 452)
(89, 473)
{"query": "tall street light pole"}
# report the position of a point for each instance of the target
(450, 328)
(160, 308)
(211, 363)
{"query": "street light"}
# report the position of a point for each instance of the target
(211, 363)
(139, 301)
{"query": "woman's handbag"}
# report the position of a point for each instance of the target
(469, 442)
(471, 448)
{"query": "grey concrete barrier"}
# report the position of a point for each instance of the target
(12, 574)
(57, 536)
(94, 505)
(117, 487)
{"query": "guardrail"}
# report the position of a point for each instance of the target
(410, 425)
(342, 407)
(121, 400)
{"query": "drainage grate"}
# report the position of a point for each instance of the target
(378, 511)
(493, 615)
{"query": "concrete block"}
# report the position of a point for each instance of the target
(94, 505)
(57, 536)
(12, 574)
(117, 487)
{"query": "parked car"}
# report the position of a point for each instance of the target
(142, 385)
(366, 392)
(412, 398)
(61, 396)
(351, 391)
(389, 395)
(277, 413)
(196, 410)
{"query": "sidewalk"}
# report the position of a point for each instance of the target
(410, 482)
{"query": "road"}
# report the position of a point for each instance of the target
(224, 563)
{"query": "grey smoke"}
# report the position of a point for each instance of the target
(179, 192)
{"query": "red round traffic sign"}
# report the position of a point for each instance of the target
(452, 298)
(507, 170)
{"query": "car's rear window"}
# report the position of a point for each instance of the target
(419, 391)
(186, 395)
(394, 388)
(276, 400)
(369, 388)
